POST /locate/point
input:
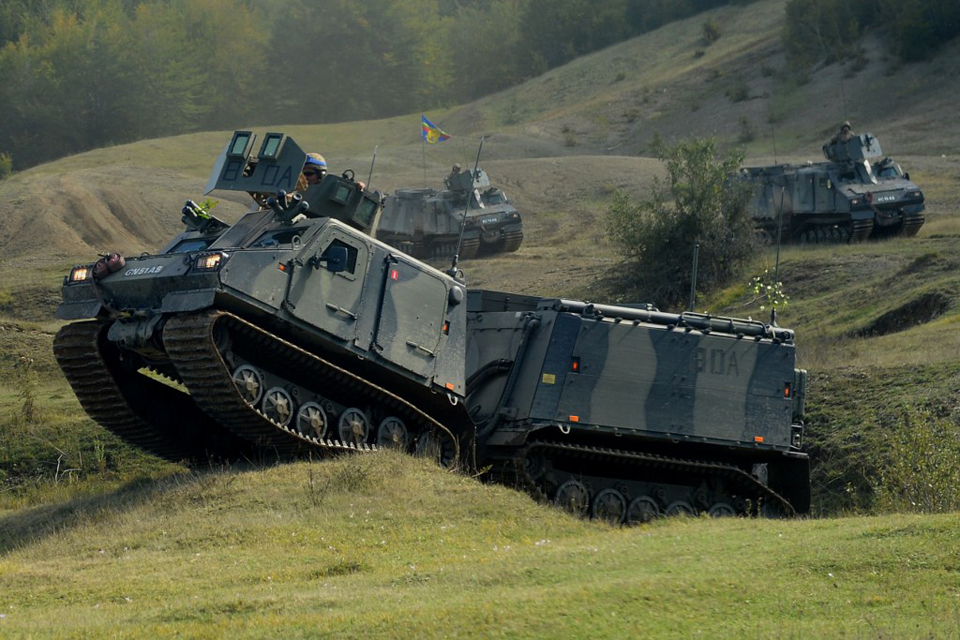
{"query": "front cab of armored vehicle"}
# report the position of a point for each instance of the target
(303, 292)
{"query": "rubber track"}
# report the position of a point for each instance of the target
(189, 341)
(860, 230)
(144, 412)
(912, 224)
(738, 477)
(512, 241)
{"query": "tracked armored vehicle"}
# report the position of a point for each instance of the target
(425, 223)
(850, 198)
(294, 331)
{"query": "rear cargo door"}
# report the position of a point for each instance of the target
(411, 316)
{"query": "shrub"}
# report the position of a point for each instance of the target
(698, 204)
(739, 91)
(919, 469)
(6, 165)
(711, 32)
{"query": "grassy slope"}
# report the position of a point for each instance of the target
(388, 546)
(893, 576)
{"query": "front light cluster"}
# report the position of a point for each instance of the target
(210, 261)
(83, 273)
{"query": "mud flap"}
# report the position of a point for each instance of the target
(790, 477)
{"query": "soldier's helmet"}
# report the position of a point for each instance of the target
(845, 125)
(316, 160)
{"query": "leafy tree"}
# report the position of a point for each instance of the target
(698, 203)
(819, 31)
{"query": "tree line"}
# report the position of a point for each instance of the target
(80, 74)
(819, 32)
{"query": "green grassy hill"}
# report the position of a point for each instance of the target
(389, 546)
(97, 538)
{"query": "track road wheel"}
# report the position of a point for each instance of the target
(278, 405)
(249, 383)
(722, 510)
(354, 426)
(573, 496)
(642, 510)
(393, 433)
(312, 421)
(680, 508)
(610, 505)
(438, 447)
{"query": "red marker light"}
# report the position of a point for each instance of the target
(394, 274)
(786, 390)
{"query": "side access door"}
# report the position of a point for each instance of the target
(327, 299)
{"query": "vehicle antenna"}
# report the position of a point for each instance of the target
(372, 162)
(693, 276)
(843, 100)
(776, 268)
(773, 129)
(773, 134)
(466, 207)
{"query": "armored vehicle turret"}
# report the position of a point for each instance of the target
(425, 223)
(853, 196)
(294, 332)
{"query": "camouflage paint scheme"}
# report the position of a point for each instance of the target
(851, 197)
(507, 370)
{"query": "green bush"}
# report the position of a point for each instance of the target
(711, 32)
(697, 204)
(919, 468)
(6, 165)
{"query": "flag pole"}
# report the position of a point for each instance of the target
(423, 151)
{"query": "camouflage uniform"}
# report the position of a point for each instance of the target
(845, 134)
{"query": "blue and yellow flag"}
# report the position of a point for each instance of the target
(431, 132)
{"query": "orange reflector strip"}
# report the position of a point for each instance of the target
(786, 390)
(446, 327)
(758, 438)
(282, 267)
(574, 418)
(450, 386)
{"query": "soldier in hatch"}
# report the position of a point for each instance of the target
(314, 169)
(845, 134)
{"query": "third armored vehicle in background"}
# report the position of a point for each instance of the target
(850, 198)
(425, 223)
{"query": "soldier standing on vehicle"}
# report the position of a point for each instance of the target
(845, 134)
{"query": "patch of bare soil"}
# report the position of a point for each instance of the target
(920, 310)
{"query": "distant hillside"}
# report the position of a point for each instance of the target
(612, 103)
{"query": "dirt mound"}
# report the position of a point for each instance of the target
(920, 310)
(92, 211)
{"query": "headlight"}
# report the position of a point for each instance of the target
(81, 274)
(210, 261)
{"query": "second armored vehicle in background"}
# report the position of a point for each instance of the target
(425, 223)
(849, 198)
